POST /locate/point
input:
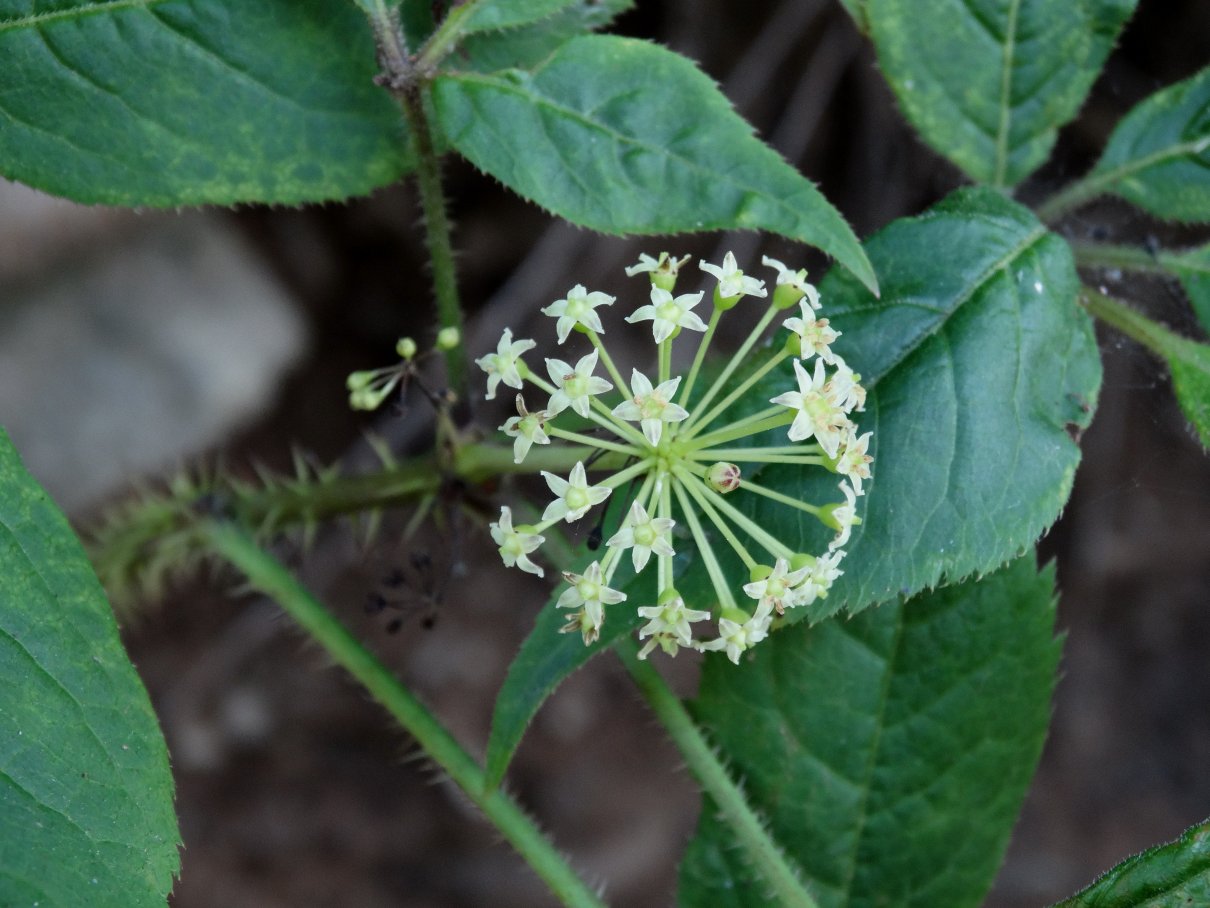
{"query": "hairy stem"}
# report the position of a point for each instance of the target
(268, 575)
(763, 853)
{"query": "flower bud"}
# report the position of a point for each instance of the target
(406, 348)
(723, 477)
(448, 338)
(358, 380)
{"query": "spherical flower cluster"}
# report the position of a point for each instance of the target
(677, 456)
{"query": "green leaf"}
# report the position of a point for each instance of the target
(1158, 157)
(889, 753)
(85, 793)
(186, 102)
(623, 136)
(528, 46)
(982, 368)
(989, 82)
(1167, 876)
(492, 15)
(1192, 269)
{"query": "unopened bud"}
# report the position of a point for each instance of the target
(448, 338)
(723, 477)
(406, 348)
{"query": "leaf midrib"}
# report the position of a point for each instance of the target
(1006, 86)
(37, 20)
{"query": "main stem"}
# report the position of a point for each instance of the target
(437, 234)
(764, 853)
(267, 574)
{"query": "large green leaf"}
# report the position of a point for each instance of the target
(889, 753)
(181, 102)
(988, 82)
(85, 793)
(982, 368)
(624, 136)
(1175, 875)
(1158, 157)
(1192, 269)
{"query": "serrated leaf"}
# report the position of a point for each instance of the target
(988, 83)
(1158, 157)
(890, 753)
(526, 47)
(185, 102)
(85, 792)
(982, 368)
(1166, 876)
(1192, 269)
(627, 137)
(492, 15)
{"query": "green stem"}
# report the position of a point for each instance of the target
(595, 442)
(437, 235)
(665, 367)
(1128, 258)
(734, 363)
(702, 347)
(267, 574)
(720, 524)
(607, 361)
(769, 418)
(738, 392)
(1152, 335)
(704, 550)
(763, 852)
(771, 543)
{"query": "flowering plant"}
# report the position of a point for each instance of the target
(689, 454)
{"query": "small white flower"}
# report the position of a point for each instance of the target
(845, 516)
(668, 626)
(644, 534)
(814, 335)
(501, 366)
(578, 309)
(575, 495)
(795, 280)
(662, 270)
(651, 407)
(731, 281)
(817, 415)
(775, 591)
(515, 544)
(667, 313)
(818, 581)
(646, 264)
(588, 591)
(526, 428)
(854, 462)
(574, 387)
(735, 637)
(843, 388)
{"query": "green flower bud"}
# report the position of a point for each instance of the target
(448, 338)
(723, 477)
(759, 573)
(406, 348)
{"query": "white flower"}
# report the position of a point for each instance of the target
(845, 517)
(735, 637)
(818, 581)
(578, 309)
(795, 280)
(774, 591)
(854, 462)
(515, 544)
(814, 334)
(576, 496)
(668, 626)
(668, 313)
(644, 534)
(574, 387)
(663, 269)
(843, 388)
(651, 407)
(588, 591)
(817, 415)
(731, 281)
(526, 428)
(646, 263)
(501, 366)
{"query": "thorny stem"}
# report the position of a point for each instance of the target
(1152, 335)
(268, 575)
(1129, 258)
(762, 851)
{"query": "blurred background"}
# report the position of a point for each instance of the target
(133, 343)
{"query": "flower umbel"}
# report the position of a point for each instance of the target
(690, 459)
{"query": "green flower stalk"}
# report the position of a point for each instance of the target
(672, 446)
